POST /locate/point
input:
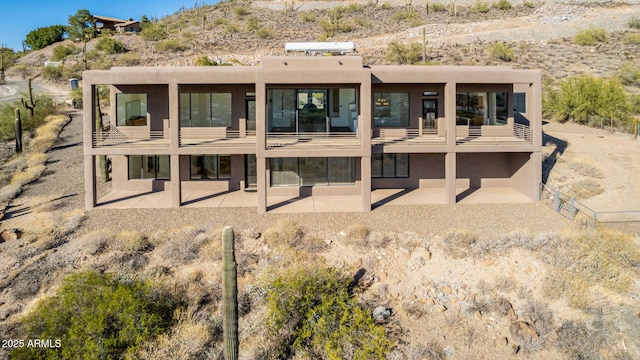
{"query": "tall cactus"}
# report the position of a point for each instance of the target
(18, 132)
(230, 296)
(29, 104)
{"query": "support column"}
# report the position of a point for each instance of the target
(176, 184)
(365, 182)
(174, 118)
(262, 176)
(536, 163)
(90, 192)
(450, 177)
(450, 114)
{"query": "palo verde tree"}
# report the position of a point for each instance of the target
(82, 25)
(45, 36)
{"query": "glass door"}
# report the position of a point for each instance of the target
(312, 110)
(251, 114)
(430, 114)
(251, 171)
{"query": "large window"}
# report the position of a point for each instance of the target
(313, 171)
(520, 102)
(149, 167)
(390, 165)
(131, 109)
(205, 109)
(210, 167)
(481, 108)
(391, 109)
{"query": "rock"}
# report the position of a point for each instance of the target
(381, 313)
(357, 263)
(523, 332)
(446, 290)
(439, 308)
(10, 235)
(503, 341)
(415, 316)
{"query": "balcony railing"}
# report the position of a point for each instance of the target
(111, 136)
(494, 135)
(522, 132)
(348, 140)
(408, 137)
(216, 137)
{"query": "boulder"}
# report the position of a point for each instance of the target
(523, 332)
(381, 313)
(10, 235)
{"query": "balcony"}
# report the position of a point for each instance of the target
(494, 135)
(113, 137)
(313, 140)
(388, 137)
(215, 137)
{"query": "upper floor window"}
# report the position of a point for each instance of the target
(131, 109)
(481, 108)
(520, 102)
(391, 109)
(205, 109)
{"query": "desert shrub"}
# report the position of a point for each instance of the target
(362, 21)
(221, 21)
(28, 176)
(97, 315)
(579, 98)
(130, 242)
(586, 169)
(585, 188)
(264, 33)
(502, 5)
(634, 22)
(47, 134)
(307, 16)
(169, 46)
(438, 7)
(241, 11)
(252, 23)
(110, 45)
(129, 59)
(43, 109)
(285, 232)
(386, 6)
(357, 234)
(153, 32)
(232, 28)
(480, 7)
(410, 15)
(62, 51)
(188, 36)
(590, 36)
(529, 4)
(500, 50)
(404, 54)
(313, 311)
(632, 39)
(205, 61)
(9, 192)
(52, 72)
(459, 243)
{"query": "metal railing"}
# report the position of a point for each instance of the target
(428, 136)
(522, 132)
(112, 136)
(566, 205)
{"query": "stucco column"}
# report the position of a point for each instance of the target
(90, 197)
(89, 115)
(450, 177)
(534, 100)
(450, 114)
(365, 182)
(536, 163)
(261, 167)
(176, 184)
(174, 118)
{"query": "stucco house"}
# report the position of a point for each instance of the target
(305, 133)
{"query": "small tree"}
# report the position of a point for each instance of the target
(82, 25)
(45, 36)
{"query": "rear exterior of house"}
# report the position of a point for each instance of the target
(296, 127)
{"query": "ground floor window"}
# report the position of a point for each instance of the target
(149, 167)
(390, 165)
(313, 171)
(210, 167)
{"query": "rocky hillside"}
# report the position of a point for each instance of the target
(540, 35)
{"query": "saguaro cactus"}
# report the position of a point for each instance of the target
(29, 104)
(230, 296)
(18, 132)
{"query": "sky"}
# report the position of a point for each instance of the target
(19, 17)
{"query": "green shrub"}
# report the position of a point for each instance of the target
(153, 32)
(205, 61)
(634, 22)
(502, 5)
(241, 12)
(632, 39)
(94, 316)
(590, 36)
(221, 21)
(264, 33)
(529, 4)
(580, 98)
(386, 6)
(500, 50)
(408, 14)
(232, 28)
(404, 54)
(52, 72)
(307, 16)
(252, 23)
(630, 73)
(169, 46)
(438, 7)
(129, 59)
(313, 311)
(188, 36)
(110, 45)
(62, 51)
(480, 7)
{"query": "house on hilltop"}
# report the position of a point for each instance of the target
(116, 25)
(304, 133)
